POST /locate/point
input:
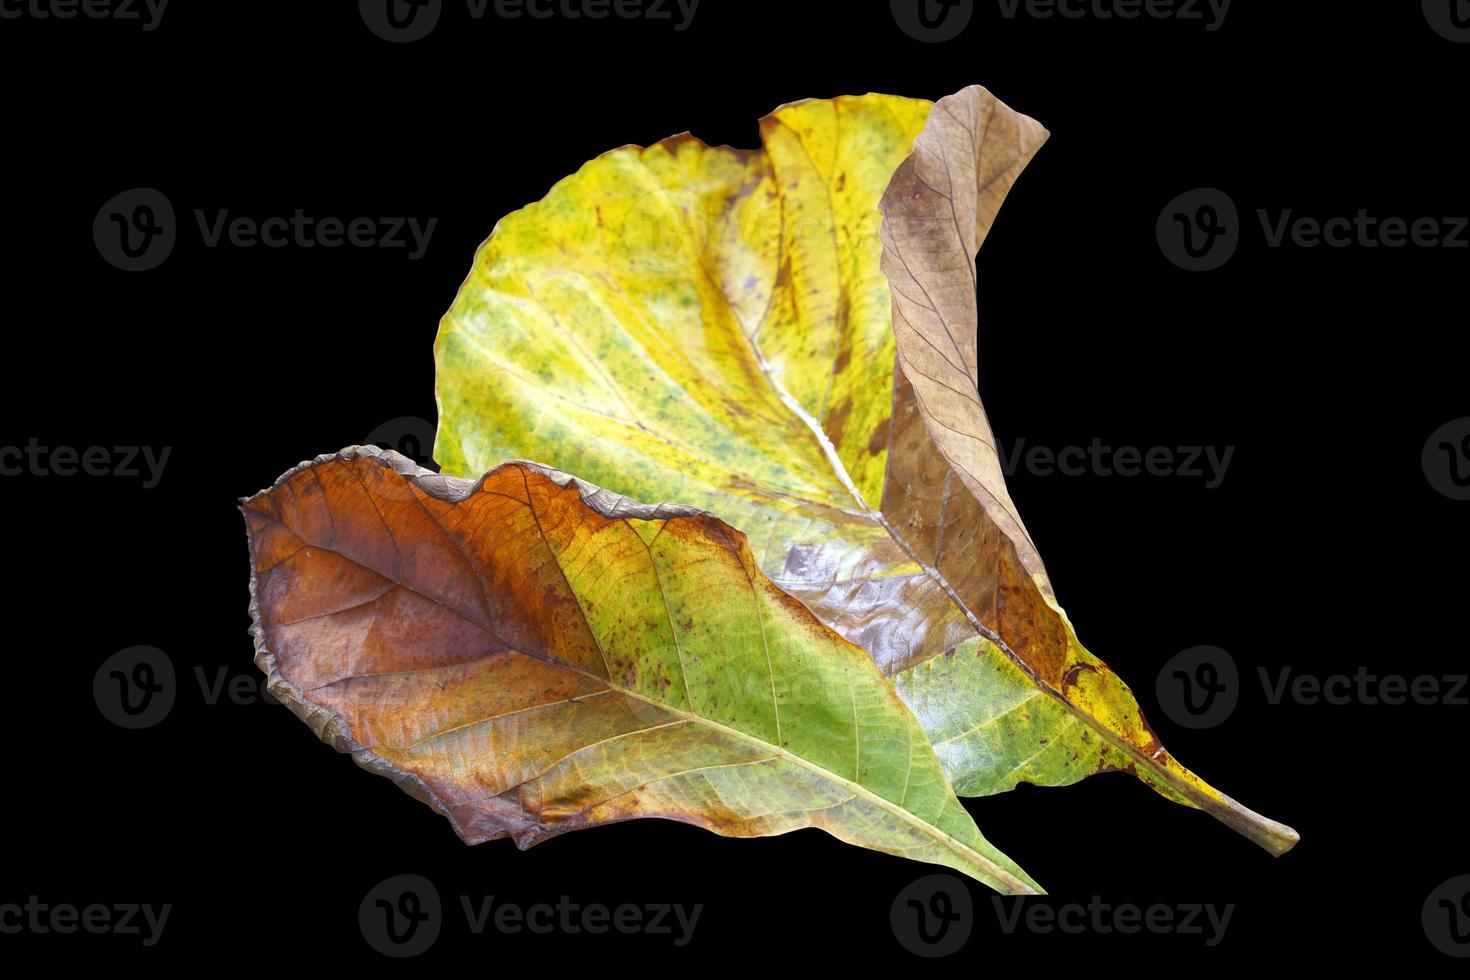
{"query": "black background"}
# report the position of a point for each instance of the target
(1326, 368)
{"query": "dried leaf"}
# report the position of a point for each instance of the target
(717, 327)
(530, 655)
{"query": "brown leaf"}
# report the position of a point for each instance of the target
(937, 211)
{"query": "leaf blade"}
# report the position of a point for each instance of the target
(805, 367)
(492, 648)
(937, 211)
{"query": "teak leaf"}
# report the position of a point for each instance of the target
(725, 328)
(530, 654)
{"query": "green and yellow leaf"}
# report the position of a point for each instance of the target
(530, 655)
(785, 337)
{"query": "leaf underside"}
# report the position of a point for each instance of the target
(785, 338)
